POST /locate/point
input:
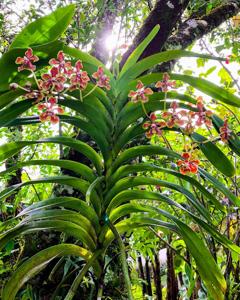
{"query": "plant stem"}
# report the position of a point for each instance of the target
(165, 102)
(90, 92)
(35, 78)
(73, 289)
(100, 292)
(80, 95)
(123, 260)
(144, 109)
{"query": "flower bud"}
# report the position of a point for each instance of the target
(13, 86)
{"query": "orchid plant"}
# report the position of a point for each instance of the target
(114, 111)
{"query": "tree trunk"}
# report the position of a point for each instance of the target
(172, 285)
(148, 278)
(157, 277)
(141, 275)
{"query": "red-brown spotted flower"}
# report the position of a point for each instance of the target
(79, 78)
(53, 81)
(187, 164)
(62, 65)
(225, 132)
(49, 110)
(27, 61)
(165, 83)
(154, 127)
(102, 79)
(35, 94)
(141, 94)
(173, 116)
(203, 115)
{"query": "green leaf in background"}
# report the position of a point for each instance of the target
(214, 155)
(44, 30)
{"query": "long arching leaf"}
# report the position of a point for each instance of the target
(149, 62)
(74, 166)
(12, 148)
(135, 55)
(214, 155)
(74, 182)
(38, 262)
(142, 151)
(142, 167)
(129, 182)
(67, 227)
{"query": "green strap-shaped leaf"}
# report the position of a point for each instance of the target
(93, 109)
(74, 166)
(150, 61)
(130, 182)
(132, 223)
(207, 267)
(74, 182)
(13, 111)
(67, 227)
(143, 167)
(38, 262)
(7, 150)
(9, 114)
(45, 29)
(135, 55)
(94, 185)
(220, 186)
(128, 195)
(209, 88)
(144, 150)
(61, 214)
(95, 133)
(67, 203)
(126, 209)
(214, 155)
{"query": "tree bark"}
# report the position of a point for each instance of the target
(148, 278)
(141, 274)
(195, 28)
(157, 277)
(172, 285)
(166, 14)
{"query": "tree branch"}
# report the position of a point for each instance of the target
(166, 14)
(194, 29)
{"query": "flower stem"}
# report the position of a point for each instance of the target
(90, 92)
(165, 102)
(144, 109)
(123, 260)
(35, 78)
(80, 95)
